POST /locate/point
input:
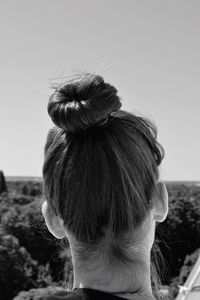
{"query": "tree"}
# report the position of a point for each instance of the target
(188, 265)
(18, 270)
(3, 187)
(27, 225)
(185, 270)
(32, 188)
(180, 233)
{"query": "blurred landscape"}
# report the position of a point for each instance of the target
(23, 178)
(33, 262)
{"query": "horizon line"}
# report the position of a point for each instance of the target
(13, 177)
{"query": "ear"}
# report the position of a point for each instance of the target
(53, 222)
(160, 202)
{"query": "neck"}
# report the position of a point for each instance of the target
(133, 279)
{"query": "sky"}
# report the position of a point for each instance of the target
(150, 51)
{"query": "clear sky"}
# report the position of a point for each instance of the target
(150, 50)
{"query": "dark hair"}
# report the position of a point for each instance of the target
(101, 163)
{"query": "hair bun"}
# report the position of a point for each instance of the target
(82, 102)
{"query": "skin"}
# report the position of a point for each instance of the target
(134, 278)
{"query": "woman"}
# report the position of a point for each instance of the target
(102, 191)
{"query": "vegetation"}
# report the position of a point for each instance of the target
(3, 187)
(18, 270)
(32, 259)
(185, 270)
(37, 294)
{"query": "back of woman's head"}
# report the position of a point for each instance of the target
(101, 163)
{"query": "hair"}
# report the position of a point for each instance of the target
(100, 164)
